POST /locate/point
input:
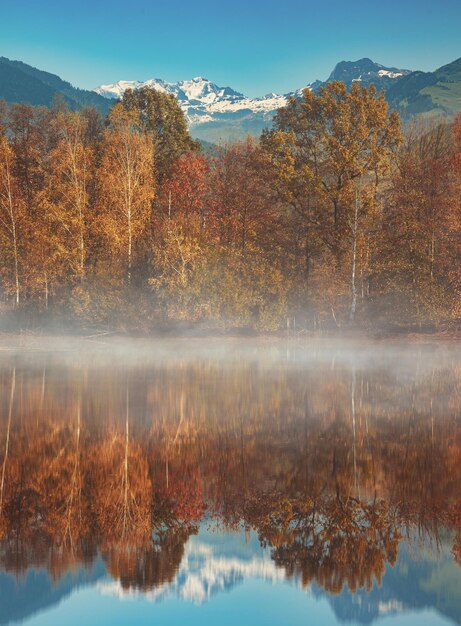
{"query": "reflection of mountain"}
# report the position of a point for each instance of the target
(211, 564)
(217, 562)
(36, 591)
(428, 582)
(214, 563)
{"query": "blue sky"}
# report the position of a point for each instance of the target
(254, 46)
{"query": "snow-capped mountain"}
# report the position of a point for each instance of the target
(207, 568)
(219, 113)
(205, 103)
(197, 90)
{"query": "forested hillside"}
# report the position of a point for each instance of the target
(335, 218)
(22, 83)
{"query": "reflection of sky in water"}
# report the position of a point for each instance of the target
(227, 578)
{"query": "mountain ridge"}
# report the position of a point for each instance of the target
(23, 83)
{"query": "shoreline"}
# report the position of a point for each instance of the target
(113, 337)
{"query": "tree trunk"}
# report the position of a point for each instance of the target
(354, 261)
(7, 442)
(130, 245)
(46, 290)
(13, 228)
(354, 435)
(125, 466)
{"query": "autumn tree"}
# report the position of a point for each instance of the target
(126, 184)
(29, 128)
(455, 219)
(66, 201)
(160, 114)
(328, 151)
(203, 282)
(418, 238)
(183, 191)
(239, 207)
(12, 220)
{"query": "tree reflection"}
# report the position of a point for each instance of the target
(331, 473)
(149, 566)
(330, 540)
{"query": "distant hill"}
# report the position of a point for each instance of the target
(20, 82)
(436, 92)
(36, 591)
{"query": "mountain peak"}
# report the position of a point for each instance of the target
(366, 71)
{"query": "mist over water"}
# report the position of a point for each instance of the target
(321, 476)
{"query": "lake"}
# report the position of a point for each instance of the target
(229, 481)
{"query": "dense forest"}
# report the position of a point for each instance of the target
(336, 217)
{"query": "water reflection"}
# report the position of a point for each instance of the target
(329, 467)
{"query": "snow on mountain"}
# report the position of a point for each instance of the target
(116, 90)
(197, 90)
(390, 74)
(366, 71)
(200, 99)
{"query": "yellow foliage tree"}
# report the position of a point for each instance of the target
(126, 184)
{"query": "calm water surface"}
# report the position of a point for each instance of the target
(229, 482)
